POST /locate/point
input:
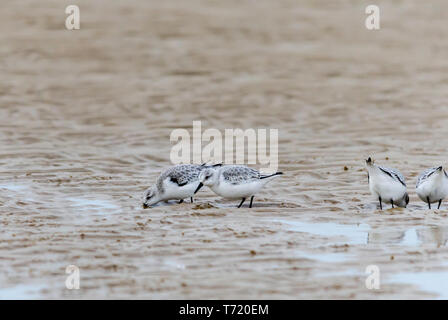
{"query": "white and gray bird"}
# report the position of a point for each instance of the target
(387, 185)
(234, 182)
(176, 183)
(432, 186)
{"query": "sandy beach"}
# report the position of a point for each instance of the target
(85, 123)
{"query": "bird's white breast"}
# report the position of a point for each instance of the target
(381, 185)
(435, 188)
(237, 191)
(173, 191)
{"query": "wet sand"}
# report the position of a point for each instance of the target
(85, 121)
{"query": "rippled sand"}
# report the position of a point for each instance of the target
(85, 119)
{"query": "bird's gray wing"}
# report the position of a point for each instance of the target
(181, 175)
(240, 174)
(425, 175)
(394, 174)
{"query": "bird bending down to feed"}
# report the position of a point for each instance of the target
(387, 185)
(432, 186)
(176, 183)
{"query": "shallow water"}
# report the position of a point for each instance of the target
(363, 234)
(433, 282)
(85, 123)
(21, 292)
(91, 205)
(351, 234)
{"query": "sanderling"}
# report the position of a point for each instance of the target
(176, 183)
(432, 186)
(234, 182)
(387, 185)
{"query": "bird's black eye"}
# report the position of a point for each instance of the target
(148, 197)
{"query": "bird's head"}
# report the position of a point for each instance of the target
(369, 162)
(207, 177)
(150, 197)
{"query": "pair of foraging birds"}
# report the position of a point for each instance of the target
(389, 186)
(183, 181)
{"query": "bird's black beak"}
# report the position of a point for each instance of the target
(145, 206)
(199, 187)
(440, 168)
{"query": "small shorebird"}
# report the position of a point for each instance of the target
(234, 182)
(175, 183)
(432, 186)
(387, 185)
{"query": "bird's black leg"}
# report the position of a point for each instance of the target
(182, 200)
(381, 205)
(392, 203)
(440, 202)
(251, 199)
(429, 203)
(242, 201)
(191, 198)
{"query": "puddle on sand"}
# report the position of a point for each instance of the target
(21, 292)
(12, 187)
(354, 234)
(410, 238)
(332, 257)
(92, 205)
(16, 191)
(350, 272)
(433, 282)
(364, 234)
(165, 263)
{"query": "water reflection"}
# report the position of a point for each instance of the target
(364, 234)
(412, 237)
(435, 234)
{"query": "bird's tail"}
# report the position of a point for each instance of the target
(271, 175)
